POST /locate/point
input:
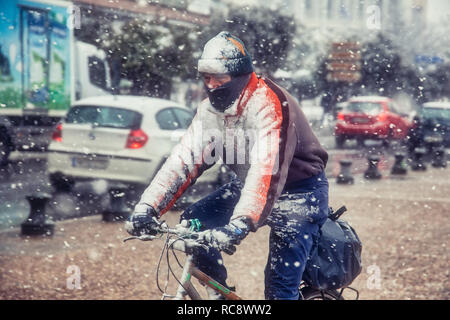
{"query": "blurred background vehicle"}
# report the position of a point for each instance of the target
(121, 139)
(371, 117)
(431, 126)
(43, 69)
(6, 146)
(313, 112)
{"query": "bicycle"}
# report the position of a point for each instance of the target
(183, 238)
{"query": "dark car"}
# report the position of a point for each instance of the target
(431, 126)
(371, 117)
(6, 145)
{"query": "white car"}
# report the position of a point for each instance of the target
(313, 112)
(118, 139)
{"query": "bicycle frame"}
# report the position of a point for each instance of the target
(187, 288)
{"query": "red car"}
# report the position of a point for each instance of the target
(371, 117)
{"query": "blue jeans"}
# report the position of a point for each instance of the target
(295, 220)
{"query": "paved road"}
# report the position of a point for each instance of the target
(402, 222)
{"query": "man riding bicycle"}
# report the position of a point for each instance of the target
(257, 129)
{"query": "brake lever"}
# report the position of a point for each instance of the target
(200, 241)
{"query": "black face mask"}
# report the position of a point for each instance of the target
(224, 96)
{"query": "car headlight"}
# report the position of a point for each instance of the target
(433, 139)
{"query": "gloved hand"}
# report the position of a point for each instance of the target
(141, 221)
(226, 238)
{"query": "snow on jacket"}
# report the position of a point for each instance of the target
(264, 138)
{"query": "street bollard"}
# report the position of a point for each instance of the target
(439, 157)
(399, 167)
(418, 163)
(345, 176)
(118, 210)
(36, 223)
(372, 172)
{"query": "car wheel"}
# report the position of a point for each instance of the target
(360, 142)
(5, 149)
(61, 183)
(387, 142)
(134, 193)
(340, 140)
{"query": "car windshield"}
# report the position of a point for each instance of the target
(104, 117)
(436, 113)
(371, 108)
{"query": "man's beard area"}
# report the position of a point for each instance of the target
(223, 97)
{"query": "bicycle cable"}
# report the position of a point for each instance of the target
(176, 258)
(158, 266)
(165, 249)
(168, 261)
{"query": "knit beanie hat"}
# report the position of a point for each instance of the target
(225, 54)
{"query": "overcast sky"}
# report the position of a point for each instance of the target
(438, 9)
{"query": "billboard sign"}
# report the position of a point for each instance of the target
(35, 52)
(344, 62)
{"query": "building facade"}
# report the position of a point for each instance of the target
(359, 14)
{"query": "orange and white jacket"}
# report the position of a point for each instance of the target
(264, 138)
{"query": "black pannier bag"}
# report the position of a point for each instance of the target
(335, 259)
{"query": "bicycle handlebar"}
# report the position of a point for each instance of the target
(185, 241)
